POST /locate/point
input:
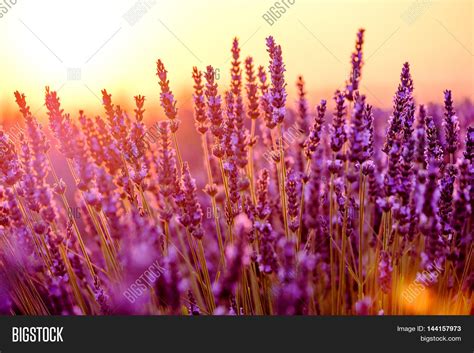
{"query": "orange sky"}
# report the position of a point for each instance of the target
(111, 48)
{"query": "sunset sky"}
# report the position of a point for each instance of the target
(101, 44)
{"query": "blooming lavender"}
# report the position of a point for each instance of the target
(277, 90)
(445, 204)
(214, 111)
(224, 291)
(430, 223)
(265, 98)
(403, 98)
(451, 125)
(263, 206)
(39, 164)
(314, 137)
(363, 306)
(302, 104)
(167, 172)
(420, 136)
(166, 96)
(434, 150)
(324, 224)
(356, 62)
(9, 164)
(385, 271)
(313, 209)
(59, 122)
(469, 153)
(268, 262)
(199, 103)
(252, 89)
(392, 177)
(293, 190)
(191, 216)
(360, 134)
(338, 133)
(236, 79)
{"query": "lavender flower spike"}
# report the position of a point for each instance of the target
(451, 125)
(356, 61)
(360, 135)
(277, 90)
(339, 135)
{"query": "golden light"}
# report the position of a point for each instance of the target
(81, 47)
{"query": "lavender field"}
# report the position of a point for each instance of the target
(324, 207)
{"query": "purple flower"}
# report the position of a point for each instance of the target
(451, 125)
(236, 257)
(356, 62)
(191, 214)
(469, 153)
(59, 122)
(359, 134)
(385, 271)
(363, 306)
(313, 196)
(101, 297)
(252, 89)
(267, 260)
(263, 207)
(166, 96)
(265, 98)
(236, 80)
(232, 172)
(434, 150)
(302, 104)
(314, 136)
(214, 111)
(445, 203)
(167, 170)
(293, 192)
(406, 169)
(403, 98)
(392, 176)
(435, 244)
(421, 136)
(277, 90)
(338, 133)
(199, 103)
(10, 171)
